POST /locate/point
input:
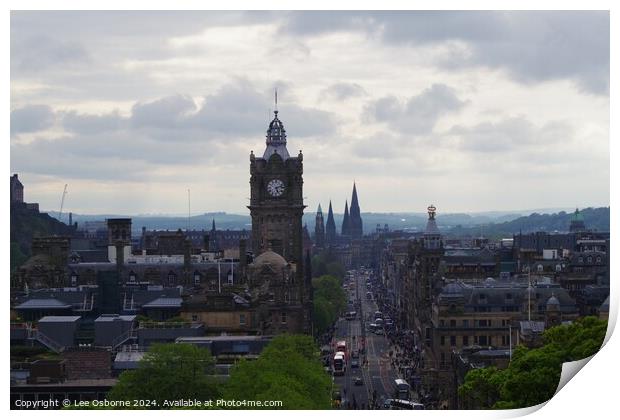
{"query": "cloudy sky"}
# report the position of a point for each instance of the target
(471, 111)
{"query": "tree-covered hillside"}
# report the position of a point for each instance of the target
(26, 224)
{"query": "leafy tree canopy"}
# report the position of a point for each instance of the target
(169, 372)
(533, 374)
(287, 370)
(329, 301)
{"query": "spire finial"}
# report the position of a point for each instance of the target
(276, 101)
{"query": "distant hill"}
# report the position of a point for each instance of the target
(492, 223)
(26, 224)
(594, 218)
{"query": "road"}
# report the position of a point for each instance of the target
(377, 374)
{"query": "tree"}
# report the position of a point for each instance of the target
(326, 263)
(533, 374)
(329, 301)
(169, 372)
(288, 370)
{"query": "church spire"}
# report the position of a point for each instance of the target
(330, 226)
(319, 229)
(355, 220)
(345, 220)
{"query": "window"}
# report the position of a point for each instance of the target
(442, 323)
(466, 323)
(172, 278)
(598, 260)
(241, 319)
(452, 340)
(197, 278)
(283, 317)
(589, 260)
(466, 340)
(194, 317)
(539, 268)
(453, 322)
(442, 340)
(74, 279)
(132, 276)
(482, 340)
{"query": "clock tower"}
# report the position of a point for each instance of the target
(276, 199)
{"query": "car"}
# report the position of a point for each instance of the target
(355, 363)
(358, 381)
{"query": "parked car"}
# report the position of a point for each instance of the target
(359, 380)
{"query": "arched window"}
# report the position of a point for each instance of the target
(598, 259)
(74, 279)
(197, 278)
(590, 260)
(539, 268)
(132, 276)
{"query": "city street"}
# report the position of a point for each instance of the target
(377, 374)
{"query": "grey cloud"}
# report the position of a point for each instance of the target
(168, 112)
(39, 53)
(92, 124)
(417, 115)
(342, 91)
(532, 46)
(238, 109)
(514, 135)
(31, 118)
(167, 132)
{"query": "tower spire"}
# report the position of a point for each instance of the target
(345, 220)
(330, 226)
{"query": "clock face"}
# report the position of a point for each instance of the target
(275, 187)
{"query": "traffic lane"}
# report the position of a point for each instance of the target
(356, 395)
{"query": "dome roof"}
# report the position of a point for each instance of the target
(276, 139)
(553, 301)
(490, 281)
(270, 258)
(452, 289)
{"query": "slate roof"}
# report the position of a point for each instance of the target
(59, 319)
(500, 294)
(163, 302)
(43, 304)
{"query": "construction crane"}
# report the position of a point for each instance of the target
(62, 203)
